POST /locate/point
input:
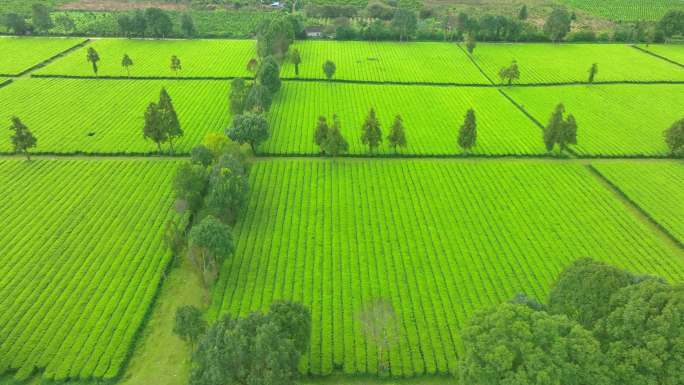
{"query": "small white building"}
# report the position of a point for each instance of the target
(314, 31)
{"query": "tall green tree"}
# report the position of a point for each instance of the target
(467, 135)
(560, 131)
(40, 16)
(269, 74)
(175, 64)
(329, 69)
(126, 63)
(201, 154)
(674, 138)
(15, 22)
(211, 242)
(188, 25)
(189, 324)
(238, 93)
(371, 134)
(168, 118)
(321, 133)
(228, 188)
(583, 290)
(249, 128)
(515, 344)
(274, 36)
(66, 22)
(397, 136)
(510, 73)
(404, 22)
(153, 128)
(190, 185)
(93, 58)
(22, 138)
(471, 43)
(642, 334)
(557, 25)
(258, 99)
(335, 143)
(296, 59)
(522, 14)
(294, 320)
(158, 22)
(593, 70)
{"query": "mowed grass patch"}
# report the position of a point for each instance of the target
(439, 239)
(563, 63)
(612, 120)
(152, 58)
(428, 62)
(657, 188)
(674, 52)
(22, 53)
(83, 254)
(107, 116)
(432, 116)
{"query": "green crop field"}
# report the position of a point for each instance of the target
(106, 116)
(562, 63)
(627, 10)
(432, 116)
(19, 54)
(657, 188)
(386, 61)
(83, 255)
(438, 239)
(674, 52)
(199, 58)
(613, 120)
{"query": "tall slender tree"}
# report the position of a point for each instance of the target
(126, 63)
(674, 137)
(335, 144)
(168, 118)
(175, 64)
(238, 93)
(371, 134)
(23, 138)
(329, 69)
(296, 58)
(153, 129)
(397, 136)
(321, 133)
(560, 131)
(510, 73)
(593, 70)
(93, 57)
(467, 135)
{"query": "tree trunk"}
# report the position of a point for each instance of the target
(28, 156)
(171, 145)
(251, 144)
(159, 147)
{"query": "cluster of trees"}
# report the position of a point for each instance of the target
(274, 36)
(561, 131)
(40, 17)
(257, 349)
(161, 122)
(600, 325)
(153, 22)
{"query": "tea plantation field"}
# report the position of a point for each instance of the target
(439, 239)
(432, 116)
(564, 63)
(627, 10)
(386, 62)
(656, 188)
(674, 52)
(152, 58)
(19, 54)
(82, 257)
(613, 120)
(107, 116)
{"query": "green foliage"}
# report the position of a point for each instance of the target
(296, 59)
(471, 43)
(321, 133)
(228, 188)
(510, 73)
(153, 128)
(158, 22)
(467, 135)
(188, 25)
(189, 324)
(672, 23)
(238, 93)
(329, 69)
(621, 10)
(249, 128)
(269, 74)
(211, 242)
(371, 134)
(294, 320)
(557, 24)
(175, 64)
(514, 344)
(112, 214)
(93, 57)
(42, 21)
(127, 62)
(190, 184)
(259, 99)
(15, 22)
(201, 155)
(584, 288)
(404, 22)
(168, 119)
(22, 138)
(274, 36)
(397, 136)
(643, 332)
(522, 14)
(560, 131)
(674, 138)
(593, 70)
(335, 144)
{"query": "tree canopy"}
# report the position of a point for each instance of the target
(557, 25)
(269, 74)
(674, 138)
(467, 135)
(249, 128)
(329, 69)
(210, 242)
(560, 131)
(22, 138)
(371, 134)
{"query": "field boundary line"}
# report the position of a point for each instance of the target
(51, 59)
(472, 60)
(6, 83)
(634, 206)
(661, 57)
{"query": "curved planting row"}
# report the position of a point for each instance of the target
(437, 239)
(83, 258)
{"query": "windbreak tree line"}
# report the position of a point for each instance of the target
(600, 325)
